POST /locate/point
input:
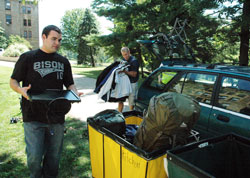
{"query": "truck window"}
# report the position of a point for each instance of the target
(199, 86)
(160, 79)
(234, 95)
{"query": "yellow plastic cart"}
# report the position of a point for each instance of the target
(114, 157)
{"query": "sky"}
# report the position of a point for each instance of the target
(51, 12)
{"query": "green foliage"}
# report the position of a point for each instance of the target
(140, 20)
(88, 27)
(68, 53)
(30, 1)
(237, 17)
(129, 26)
(15, 50)
(142, 1)
(228, 53)
(14, 39)
(209, 36)
(3, 38)
(70, 23)
(103, 57)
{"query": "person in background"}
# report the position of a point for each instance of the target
(133, 74)
(39, 70)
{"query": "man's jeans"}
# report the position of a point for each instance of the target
(43, 148)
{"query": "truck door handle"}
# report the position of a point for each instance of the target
(223, 118)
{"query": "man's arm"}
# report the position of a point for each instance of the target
(73, 88)
(133, 70)
(14, 84)
(130, 73)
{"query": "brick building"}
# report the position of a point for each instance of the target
(20, 19)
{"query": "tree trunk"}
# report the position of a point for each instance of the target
(140, 61)
(244, 35)
(92, 57)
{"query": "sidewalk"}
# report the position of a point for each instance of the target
(7, 64)
(90, 104)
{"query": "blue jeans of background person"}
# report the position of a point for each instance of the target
(43, 149)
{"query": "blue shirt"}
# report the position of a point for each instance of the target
(134, 66)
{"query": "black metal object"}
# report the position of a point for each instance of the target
(57, 108)
(51, 94)
(58, 103)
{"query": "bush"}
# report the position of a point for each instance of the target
(15, 50)
(13, 39)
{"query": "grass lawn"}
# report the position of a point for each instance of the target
(75, 161)
(87, 71)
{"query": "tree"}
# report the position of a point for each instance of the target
(70, 24)
(3, 38)
(134, 21)
(129, 26)
(218, 37)
(245, 34)
(227, 47)
(88, 27)
(238, 13)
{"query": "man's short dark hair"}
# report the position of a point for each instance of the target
(49, 28)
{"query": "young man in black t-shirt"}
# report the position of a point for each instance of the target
(39, 70)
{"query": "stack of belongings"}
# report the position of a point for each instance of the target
(113, 86)
(167, 122)
(112, 120)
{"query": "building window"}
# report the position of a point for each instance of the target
(28, 10)
(7, 5)
(8, 19)
(24, 22)
(24, 9)
(30, 34)
(29, 22)
(25, 34)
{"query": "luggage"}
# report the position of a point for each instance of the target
(130, 132)
(167, 122)
(112, 120)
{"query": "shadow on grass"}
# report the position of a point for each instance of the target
(75, 160)
(12, 167)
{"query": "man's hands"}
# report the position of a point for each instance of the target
(122, 71)
(129, 73)
(24, 90)
(14, 84)
(73, 87)
(80, 93)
